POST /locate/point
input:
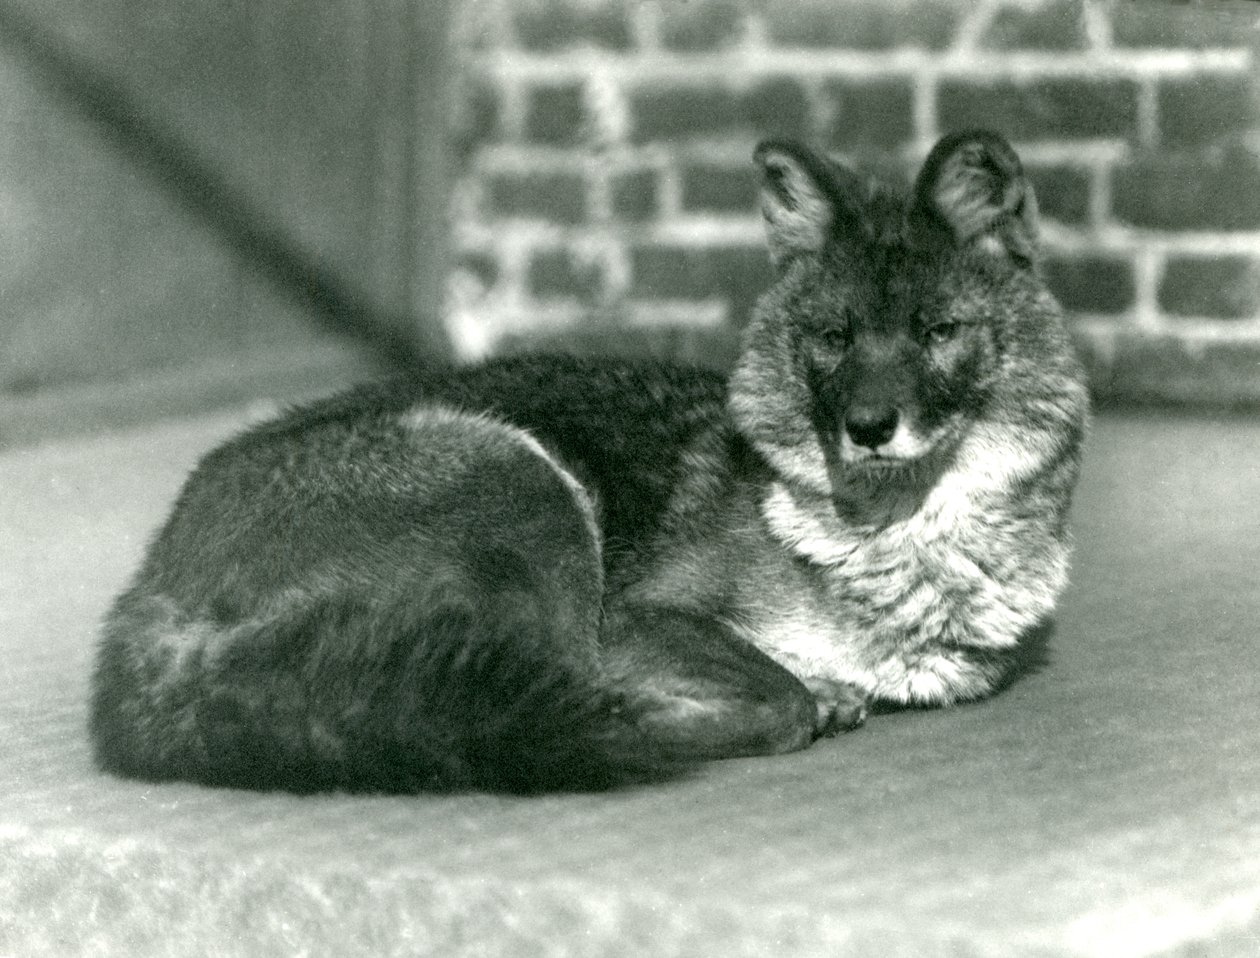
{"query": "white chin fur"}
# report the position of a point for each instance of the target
(904, 448)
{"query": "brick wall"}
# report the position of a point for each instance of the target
(606, 198)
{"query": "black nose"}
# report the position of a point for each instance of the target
(871, 426)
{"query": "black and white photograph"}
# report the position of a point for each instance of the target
(630, 478)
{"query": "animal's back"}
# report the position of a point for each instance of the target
(621, 426)
(399, 550)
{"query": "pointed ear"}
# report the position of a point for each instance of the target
(796, 202)
(972, 183)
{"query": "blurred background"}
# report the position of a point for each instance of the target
(204, 204)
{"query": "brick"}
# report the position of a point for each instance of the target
(555, 114)
(738, 274)
(700, 26)
(558, 197)
(1062, 192)
(868, 113)
(715, 188)
(1223, 287)
(677, 112)
(549, 25)
(775, 107)
(1205, 108)
(1091, 284)
(1181, 26)
(778, 106)
(635, 195)
(687, 272)
(1049, 108)
(861, 24)
(1147, 367)
(1189, 191)
(557, 273)
(1058, 25)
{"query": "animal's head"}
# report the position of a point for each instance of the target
(895, 323)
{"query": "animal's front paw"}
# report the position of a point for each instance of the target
(841, 706)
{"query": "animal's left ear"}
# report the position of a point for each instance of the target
(973, 184)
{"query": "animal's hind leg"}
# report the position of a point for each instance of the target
(709, 694)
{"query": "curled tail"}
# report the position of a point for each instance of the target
(514, 717)
(358, 696)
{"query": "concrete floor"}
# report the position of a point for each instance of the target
(1107, 804)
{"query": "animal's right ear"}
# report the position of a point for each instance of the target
(795, 199)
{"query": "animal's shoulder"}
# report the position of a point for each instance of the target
(632, 432)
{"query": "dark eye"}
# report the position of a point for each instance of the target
(834, 338)
(942, 332)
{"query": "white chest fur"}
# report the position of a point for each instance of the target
(902, 609)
